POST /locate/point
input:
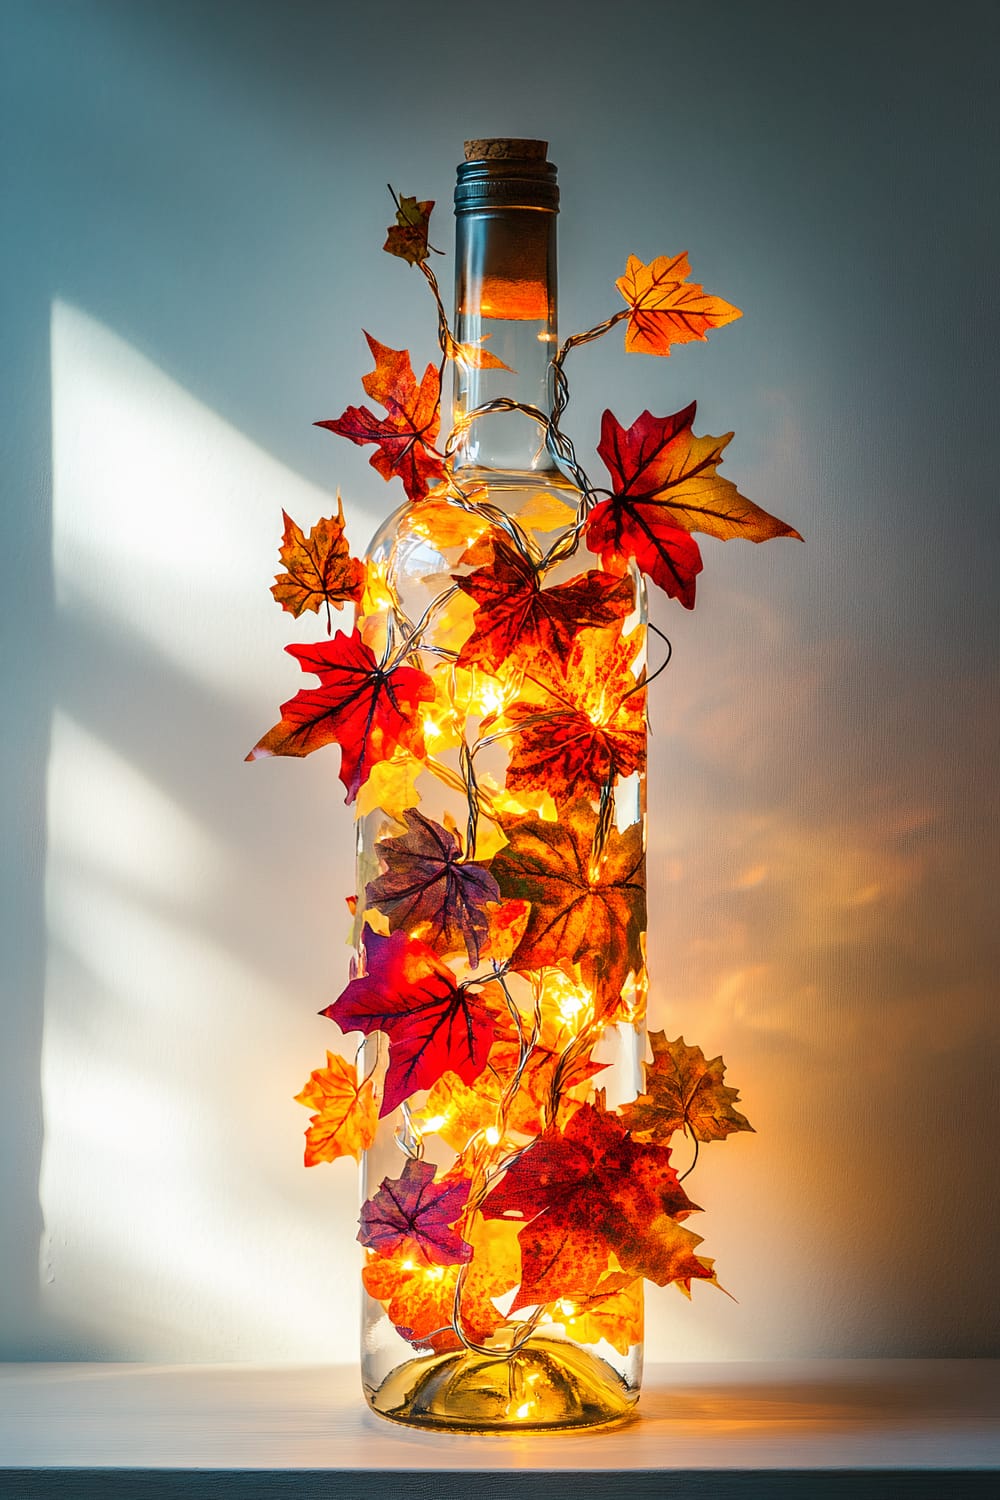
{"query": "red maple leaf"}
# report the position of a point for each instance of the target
(367, 709)
(415, 1213)
(665, 553)
(514, 612)
(666, 486)
(428, 889)
(583, 733)
(432, 1024)
(405, 435)
(569, 754)
(585, 1193)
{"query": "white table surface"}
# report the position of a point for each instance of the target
(737, 1419)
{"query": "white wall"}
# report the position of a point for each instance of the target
(193, 208)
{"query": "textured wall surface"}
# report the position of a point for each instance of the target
(193, 204)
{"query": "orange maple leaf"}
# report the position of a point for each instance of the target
(684, 1092)
(665, 308)
(579, 914)
(319, 568)
(345, 1118)
(507, 919)
(612, 1315)
(444, 522)
(419, 1300)
(474, 356)
(405, 435)
(577, 736)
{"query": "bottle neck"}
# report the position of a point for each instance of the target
(505, 304)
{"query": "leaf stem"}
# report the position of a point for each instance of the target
(694, 1162)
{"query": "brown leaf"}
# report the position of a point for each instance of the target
(407, 238)
(684, 1092)
(319, 568)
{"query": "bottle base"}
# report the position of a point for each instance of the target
(547, 1384)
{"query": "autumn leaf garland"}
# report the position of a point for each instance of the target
(550, 1194)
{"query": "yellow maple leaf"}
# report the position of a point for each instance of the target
(490, 839)
(391, 786)
(453, 623)
(443, 521)
(345, 1118)
(540, 803)
(616, 1318)
(442, 725)
(454, 1111)
(378, 602)
(546, 512)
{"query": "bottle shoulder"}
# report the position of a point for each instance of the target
(542, 503)
(423, 547)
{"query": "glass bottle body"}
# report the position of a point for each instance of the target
(534, 776)
(571, 1365)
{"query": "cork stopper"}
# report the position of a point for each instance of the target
(506, 150)
(501, 174)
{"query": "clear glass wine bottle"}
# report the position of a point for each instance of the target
(535, 741)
